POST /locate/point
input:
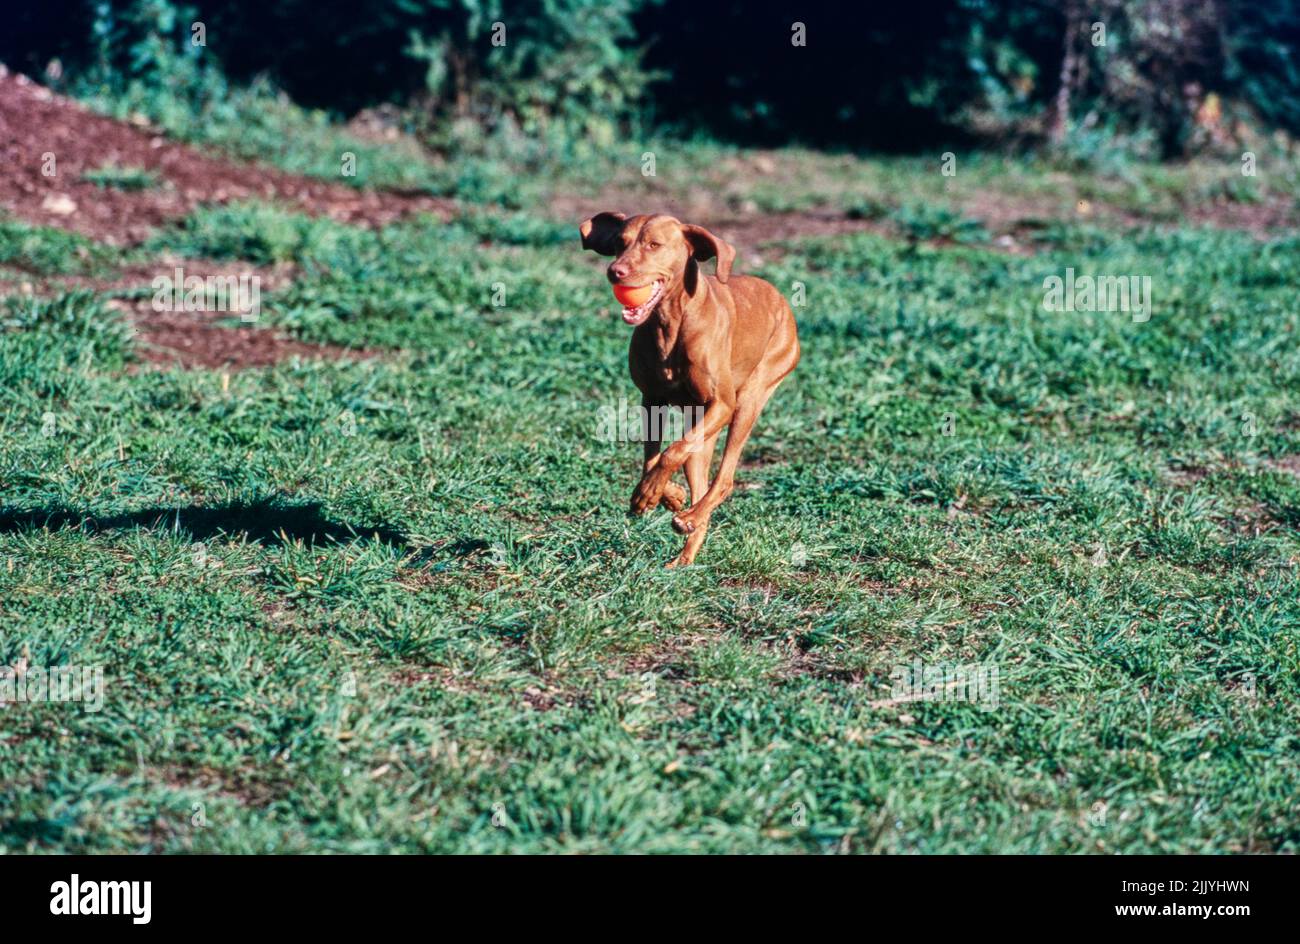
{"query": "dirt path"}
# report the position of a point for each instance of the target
(40, 130)
(210, 339)
(756, 235)
(38, 127)
(189, 338)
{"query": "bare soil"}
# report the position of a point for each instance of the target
(36, 123)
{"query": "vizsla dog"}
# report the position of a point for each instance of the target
(721, 343)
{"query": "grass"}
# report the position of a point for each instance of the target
(259, 123)
(122, 178)
(44, 251)
(395, 605)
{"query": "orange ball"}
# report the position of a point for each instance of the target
(633, 296)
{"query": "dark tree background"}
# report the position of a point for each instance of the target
(891, 75)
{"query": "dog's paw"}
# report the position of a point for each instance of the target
(681, 560)
(674, 497)
(684, 524)
(647, 493)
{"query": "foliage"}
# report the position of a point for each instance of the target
(577, 76)
(553, 77)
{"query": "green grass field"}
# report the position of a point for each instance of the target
(396, 604)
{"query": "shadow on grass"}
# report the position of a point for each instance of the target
(271, 522)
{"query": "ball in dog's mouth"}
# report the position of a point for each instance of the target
(639, 313)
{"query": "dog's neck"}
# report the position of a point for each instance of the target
(673, 311)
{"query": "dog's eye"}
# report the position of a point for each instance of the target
(652, 245)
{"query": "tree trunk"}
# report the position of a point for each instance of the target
(1069, 70)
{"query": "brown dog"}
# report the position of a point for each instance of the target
(721, 343)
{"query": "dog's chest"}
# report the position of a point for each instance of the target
(670, 371)
(661, 369)
(669, 375)
(666, 379)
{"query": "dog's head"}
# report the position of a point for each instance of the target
(657, 251)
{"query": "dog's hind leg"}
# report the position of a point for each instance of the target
(749, 403)
(697, 517)
(697, 477)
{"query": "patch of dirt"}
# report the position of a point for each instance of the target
(1185, 475)
(801, 663)
(1262, 220)
(190, 339)
(140, 275)
(668, 658)
(36, 123)
(1290, 464)
(244, 787)
(999, 214)
(671, 658)
(756, 234)
(546, 695)
(749, 232)
(1251, 520)
(1010, 218)
(186, 339)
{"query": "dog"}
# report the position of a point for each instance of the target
(718, 343)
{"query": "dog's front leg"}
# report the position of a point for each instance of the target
(658, 475)
(673, 495)
(656, 483)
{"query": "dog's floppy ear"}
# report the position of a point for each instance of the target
(601, 233)
(705, 245)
